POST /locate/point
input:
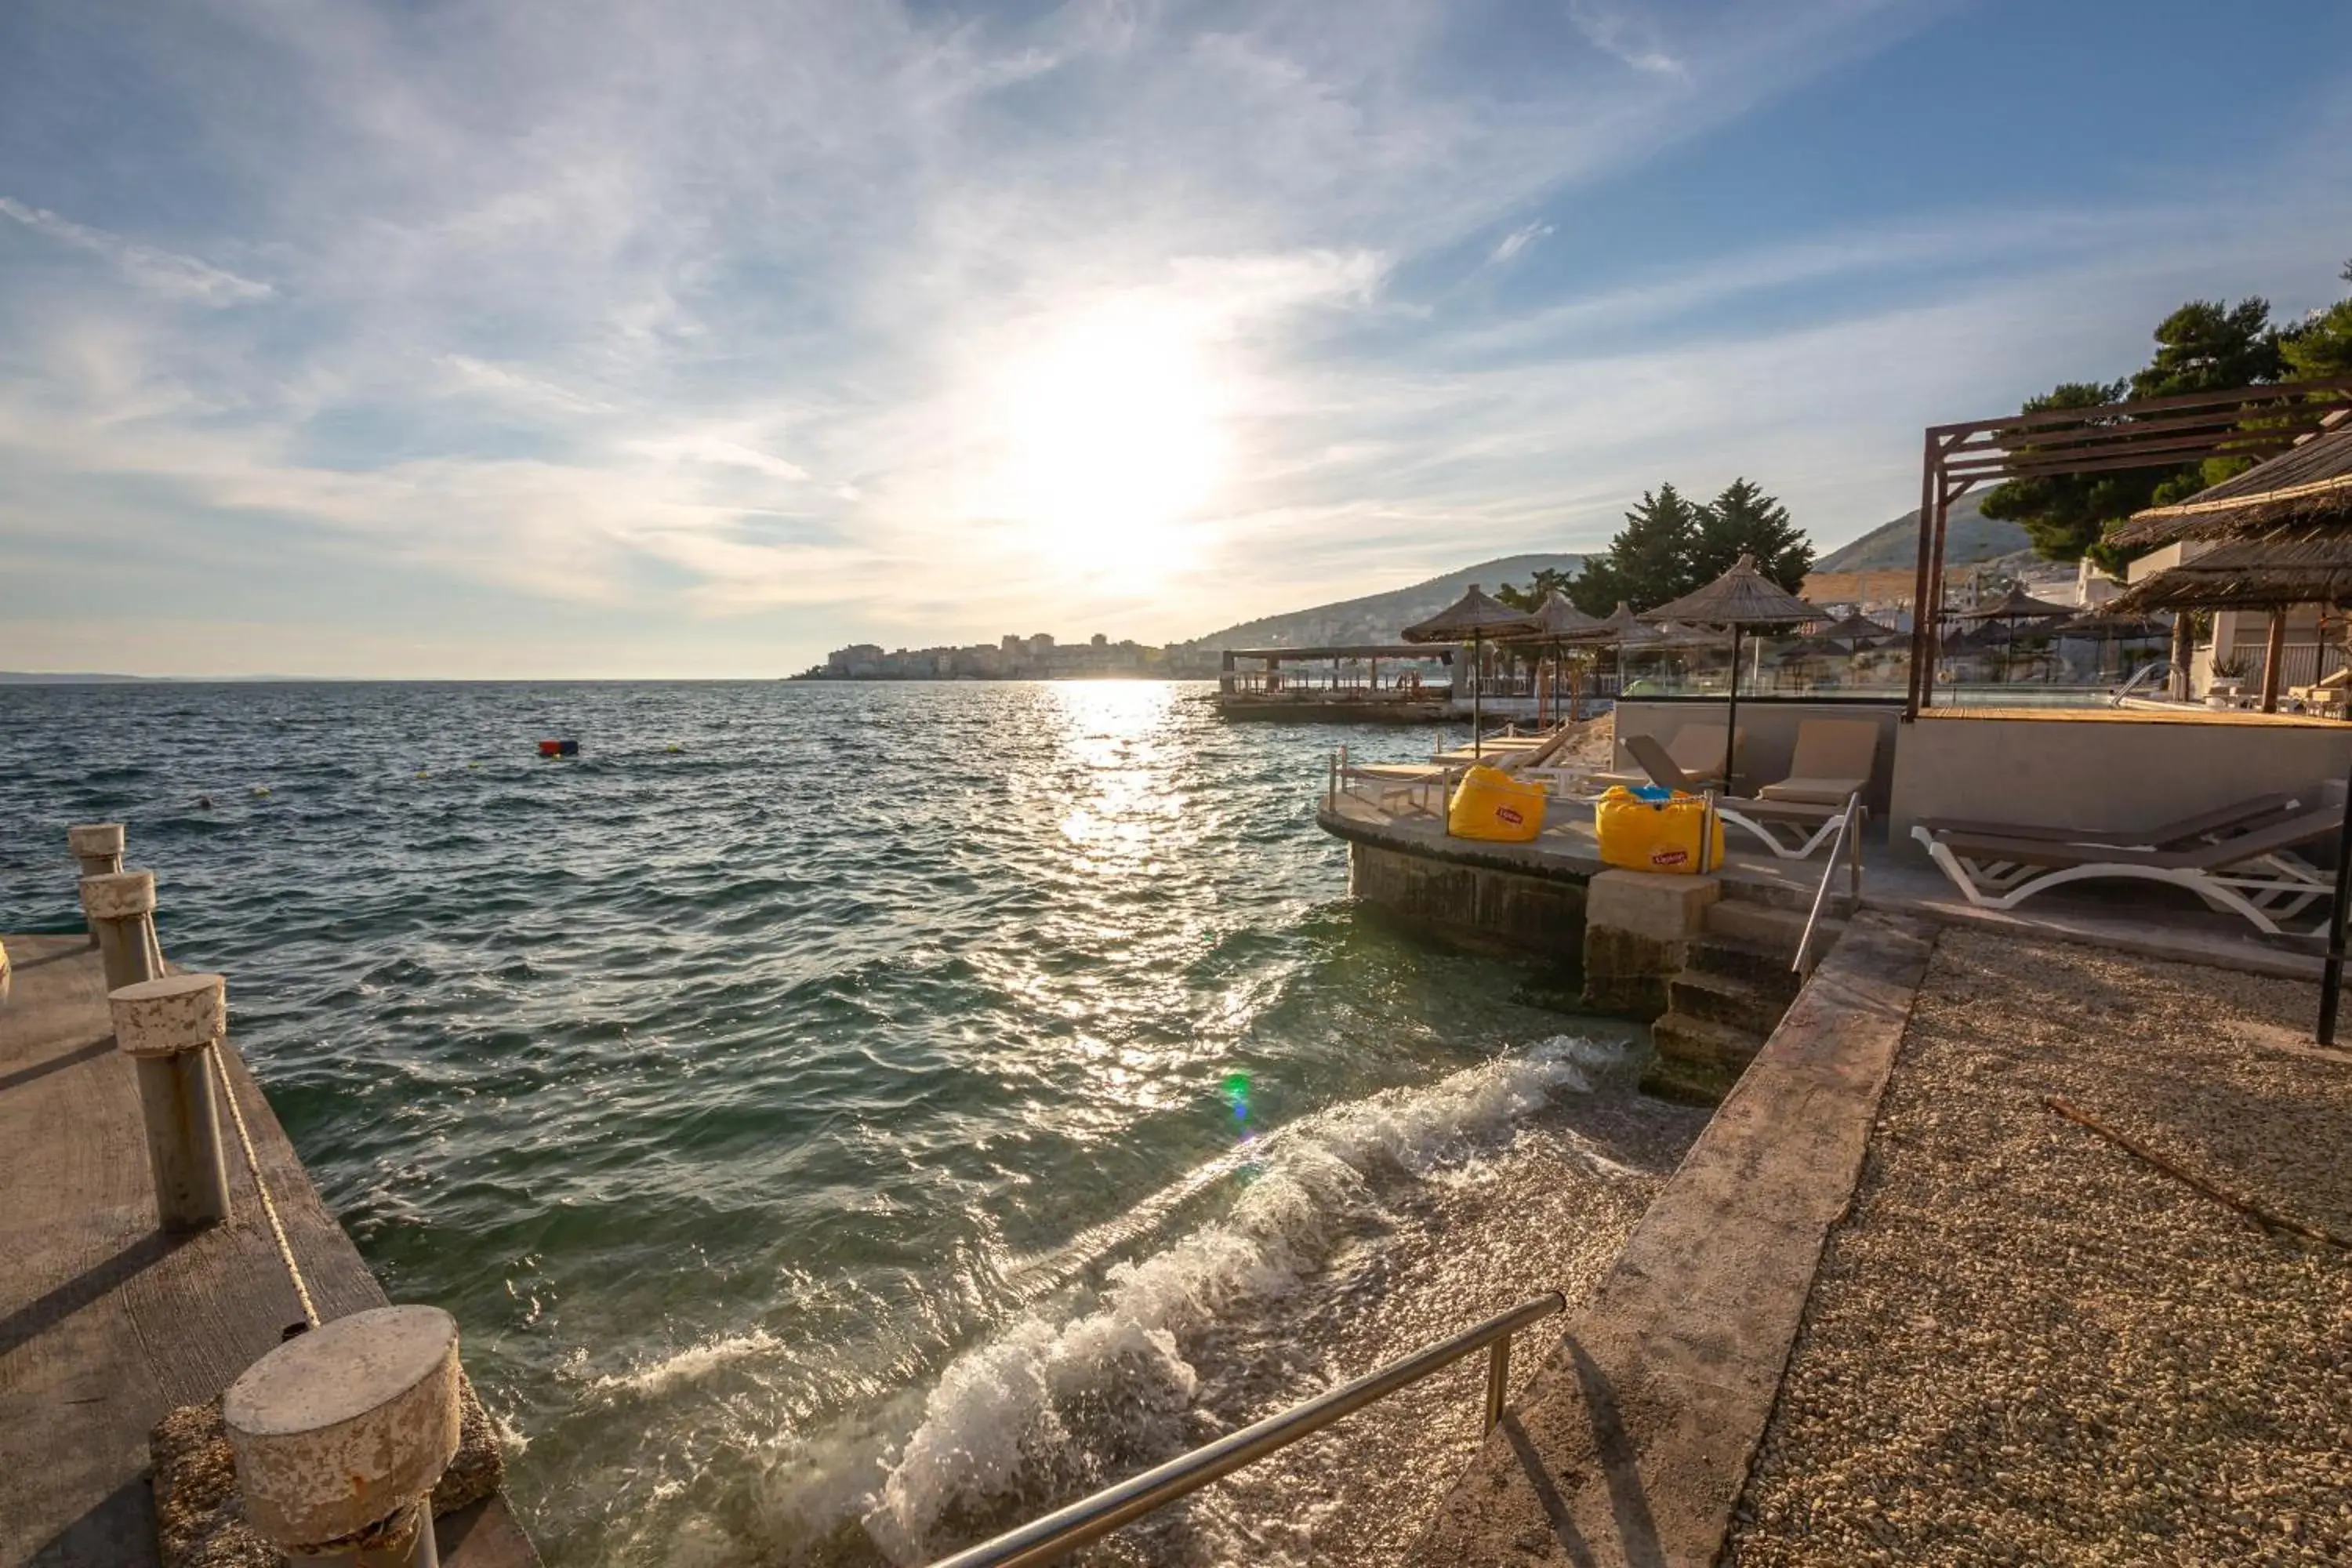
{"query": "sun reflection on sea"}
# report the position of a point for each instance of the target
(1115, 735)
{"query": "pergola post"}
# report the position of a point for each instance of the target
(2273, 656)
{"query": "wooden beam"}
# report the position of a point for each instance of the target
(2273, 655)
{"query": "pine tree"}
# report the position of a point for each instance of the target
(2321, 347)
(2203, 346)
(2206, 346)
(1744, 521)
(1653, 557)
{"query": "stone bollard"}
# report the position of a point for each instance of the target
(341, 1433)
(98, 846)
(169, 1026)
(121, 909)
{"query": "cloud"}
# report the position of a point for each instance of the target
(1630, 36)
(1518, 240)
(479, 376)
(736, 334)
(158, 271)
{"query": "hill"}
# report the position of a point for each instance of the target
(1376, 618)
(1969, 537)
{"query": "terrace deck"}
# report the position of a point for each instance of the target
(105, 1323)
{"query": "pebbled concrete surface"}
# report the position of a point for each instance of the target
(1633, 1442)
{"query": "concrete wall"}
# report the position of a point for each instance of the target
(1771, 727)
(2050, 773)
(1478, 905)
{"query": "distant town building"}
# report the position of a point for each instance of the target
(1011, 657)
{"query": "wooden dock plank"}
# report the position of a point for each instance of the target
(104, 1323)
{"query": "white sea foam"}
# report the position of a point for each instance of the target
(688, 1366)
(1001, 1424)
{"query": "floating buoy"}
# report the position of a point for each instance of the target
(558, 748)
(674, 746)
(261, 792)
(203, 803)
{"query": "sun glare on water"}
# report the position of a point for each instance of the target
(1112, 441)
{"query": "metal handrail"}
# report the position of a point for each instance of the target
(1065, 1529)
(2159, 667)
(1848, 843)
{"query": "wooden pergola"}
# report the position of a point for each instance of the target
(2148, 433)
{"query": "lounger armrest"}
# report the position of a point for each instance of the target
(1783, 810)
(1814, 791)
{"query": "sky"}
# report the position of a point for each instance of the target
(682, 338)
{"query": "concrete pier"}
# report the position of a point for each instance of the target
(106, 1321)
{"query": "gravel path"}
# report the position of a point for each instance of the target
(2026, 1345)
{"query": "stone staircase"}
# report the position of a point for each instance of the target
(1733, 986)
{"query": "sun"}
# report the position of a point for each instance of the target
(1112, 439)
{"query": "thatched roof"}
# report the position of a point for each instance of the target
(2309, 483)
(1854, 626)
(2017, 604)
(1557, 620)
(1623, 625)
(1980, 638)
(1821, 646)
(2104, 623)
(1674, 634)
(2312, 564)
(1475, 614)
(1741, 596)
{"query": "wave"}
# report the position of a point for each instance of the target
(1056, 1404)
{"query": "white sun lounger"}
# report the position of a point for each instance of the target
(2238, 817)
(1697, 753)
(1833, 760)
(1808, 825)
(2253, 874)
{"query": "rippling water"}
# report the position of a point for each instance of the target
(843, 1118)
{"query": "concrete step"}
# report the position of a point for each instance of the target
(1763, 964)
(1761, 923)
(1697, 1058)
(1752, 1005)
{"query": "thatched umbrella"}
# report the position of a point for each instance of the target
(2283, 525)
(2251, 574)
(1740, 598)
(2106, 626)
(1556, 623)
(2287, 524)
(1472, 618)
(2011, 607)
(1621, 629)
(1853, 630)
(2308, 486)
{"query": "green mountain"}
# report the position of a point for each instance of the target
(1378, 618)
(1970, 536)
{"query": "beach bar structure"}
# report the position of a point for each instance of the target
(1366, 682)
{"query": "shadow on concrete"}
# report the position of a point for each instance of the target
(119, 1531)
(55, 1306)
(23, 964)
(79, 1054)
(1555, 1507)
(1629, 1505)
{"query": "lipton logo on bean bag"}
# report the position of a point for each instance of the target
(1668, 857)
(1506, 813)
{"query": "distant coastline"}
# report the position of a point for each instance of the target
(1164, 673)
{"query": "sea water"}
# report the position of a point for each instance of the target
(848, 1119)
